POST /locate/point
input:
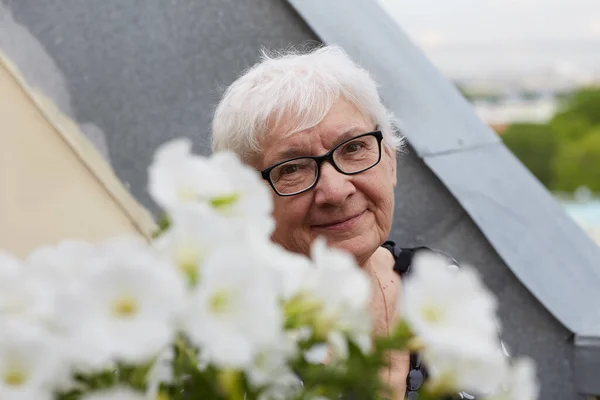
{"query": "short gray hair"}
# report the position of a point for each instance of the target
(296, 85)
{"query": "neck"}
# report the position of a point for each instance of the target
(369, 262)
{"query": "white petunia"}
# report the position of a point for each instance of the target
(190, 239)
(62, 268)
(23, 294)
(271, 361)
(521, 382)
(31, 363)
(473, 365)
(63, 261)
(221, 184)
(441, 304)
(338, 345)
(317, 353)
(178, 178)
(290, 269)
(332, 299)
(116, 393)
(453, 317)
(160, 372)
(285, 385)
(9, 265)
(343, 290)
(234, 311)
(336, 348)
(130, 308)
(252, 196)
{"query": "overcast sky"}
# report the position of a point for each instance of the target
(465, 37)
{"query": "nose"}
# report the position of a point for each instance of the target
(333, 187)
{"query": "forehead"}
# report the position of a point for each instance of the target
(341, 122)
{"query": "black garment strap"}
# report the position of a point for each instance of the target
(403, 257)
(418, 373)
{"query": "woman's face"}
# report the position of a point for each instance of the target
(353, 212)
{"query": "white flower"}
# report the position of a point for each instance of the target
(521, 382)
(331, 299)
(285, 385)
(130, 308)
(160, 372)
(473, 365)
(336, 347)
(339, 345)
(442, 304)
(23, 294)
(234, 311)
(270, 362)
(343, 290)
(317, 353)
(178, 178)
(63, 261)
(453, 316)
(190, 238)
(62, 268)
(116, 393)
(221, 184)
(290, 269)
(253, 196)
(31, 364)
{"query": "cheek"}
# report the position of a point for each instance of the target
(289, 213)
(379, 190)
(290, 229)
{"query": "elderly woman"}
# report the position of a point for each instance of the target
(314, 126)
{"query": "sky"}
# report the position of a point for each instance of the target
(503, 37)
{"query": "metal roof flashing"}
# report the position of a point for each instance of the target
(587, 364)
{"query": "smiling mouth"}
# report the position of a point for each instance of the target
(340, 224)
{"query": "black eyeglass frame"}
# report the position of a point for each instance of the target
(320, 159)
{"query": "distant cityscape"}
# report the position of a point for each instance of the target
(500, 102)
(527, 98)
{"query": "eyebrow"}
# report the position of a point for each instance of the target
(294, 152)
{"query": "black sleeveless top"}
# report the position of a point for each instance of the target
(418, 373)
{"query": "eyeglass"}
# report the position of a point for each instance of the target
(351, 157)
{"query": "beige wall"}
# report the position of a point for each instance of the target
(53, 183)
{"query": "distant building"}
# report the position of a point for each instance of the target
(502, 113)
(499, 128)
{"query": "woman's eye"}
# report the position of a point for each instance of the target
(353, 147)
(289, 169)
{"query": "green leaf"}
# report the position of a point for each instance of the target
(163, 225)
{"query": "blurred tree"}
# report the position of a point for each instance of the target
(570, 126)
(578, 164)
(536, 146)
(585, 104)
(465, 92)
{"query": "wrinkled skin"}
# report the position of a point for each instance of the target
(367, 198)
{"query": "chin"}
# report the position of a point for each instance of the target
(357, 246)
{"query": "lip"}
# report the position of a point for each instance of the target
(339, 225)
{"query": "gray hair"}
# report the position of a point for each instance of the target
(300, 87)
